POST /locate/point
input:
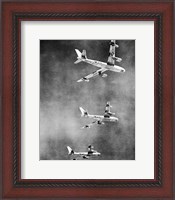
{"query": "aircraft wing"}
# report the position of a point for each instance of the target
(93, 123)
(90, 147)
(111, 57)
(96, 73)
(111, 61)
(107, 108)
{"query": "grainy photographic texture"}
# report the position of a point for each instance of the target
(61, 96)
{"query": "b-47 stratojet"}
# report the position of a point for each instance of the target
(86, 155)
(110, 65)
(99, 119)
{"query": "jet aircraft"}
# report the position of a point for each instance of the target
(86, 155)
(99, 119)
(110, 65)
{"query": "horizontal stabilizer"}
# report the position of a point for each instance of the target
(78, 53)
(77, 61)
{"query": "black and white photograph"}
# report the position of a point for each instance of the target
(87, 100)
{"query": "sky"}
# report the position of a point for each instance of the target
(61, 96)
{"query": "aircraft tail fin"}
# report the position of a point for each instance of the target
(84, 113)
(80, 56)
(70, 151)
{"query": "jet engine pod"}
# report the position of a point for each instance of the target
(85, 79)
(104, 75)
(111, 114)
(117, 59)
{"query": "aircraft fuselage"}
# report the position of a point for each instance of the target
(114, 68)
(103, 118)
(94, 153)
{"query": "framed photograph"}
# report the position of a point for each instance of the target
(87, 100)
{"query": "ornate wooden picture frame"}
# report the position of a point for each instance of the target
(12, 16)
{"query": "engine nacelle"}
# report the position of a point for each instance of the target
(117, 59)
(114, 44)
(100, 123)
(85, 79)
(85, 157)
(111, 114)
(104, 75)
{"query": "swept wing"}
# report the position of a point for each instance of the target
(99, 121)
(96, 73)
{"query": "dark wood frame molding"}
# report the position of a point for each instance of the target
(162, 15)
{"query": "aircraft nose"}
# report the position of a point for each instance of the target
(122, 70)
